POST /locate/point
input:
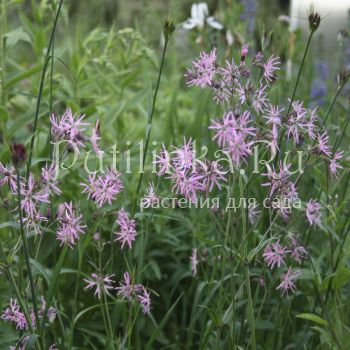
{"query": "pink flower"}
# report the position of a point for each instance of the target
(70, 128)
(334, 165)
(8, 176)
(126, 289)
(313, 212)
(163, 160)
(244, 51)
(260, 99)
(94, 139)
(282, 189)
(232, 134)
(270, 68)
(253, 213)
(48, 178)
(102, 284)
(297, 251)
(187, 184)
(69, 225)
(297, 122)
(15, 315)
(273, 115)
(274, 254)
(212, 175)
(287, 281)
(203, 71)
(31, 198)
(184, 156)
(145, 301)
(150, 198)
(322, 144)
(127, 232)
(103, 188)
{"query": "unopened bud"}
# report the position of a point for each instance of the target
(169, 28)
(314, 21)
(343, 76)
(18, 154)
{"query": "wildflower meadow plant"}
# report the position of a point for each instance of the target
(235, 222)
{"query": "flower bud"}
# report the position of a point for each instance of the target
(314, 21)
(18, 154)
(343, 76)
(168, 28)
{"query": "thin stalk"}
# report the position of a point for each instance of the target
(3, 50)
(41, 87)
(26, 252)
(247, 273)
(149, 125)
(299, 73)
(296, 84)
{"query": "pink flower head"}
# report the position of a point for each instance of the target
(232, 134)
(260, 99)
(31, 198)
(313, 212)
(102, 284)
(194, 262)
(127, 229)
(203, 71)
(150, 198)
(334, 165)
(297, 122)
(145, 301)
(184, 156)
(126, 289)
(163, 160)
(103, 188)
(8, 176)
(15, 315)
(322, 144)
(69, 225)
(253, 213)
(244, 51)
(212, 175)
(273, 115)
(48, 178)
(287, 281)
(270, 67)
(70, 128)
(94, 139)
(274, 254)
(187, 184)
(297, 251)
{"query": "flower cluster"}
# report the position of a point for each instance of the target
(190, 176)
(103, 188)
(69, 225)
(15, 315)
(275, 255)
(137, 292)
(102, 284)
(127, 229)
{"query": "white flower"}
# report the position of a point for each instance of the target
(200, 17)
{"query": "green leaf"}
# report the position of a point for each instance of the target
(313, 318)
(16, 35)
(162, 323)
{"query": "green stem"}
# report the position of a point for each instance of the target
(247, 272)
(26, 251)
(149, 126)
(41, 87)
(3, 50)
